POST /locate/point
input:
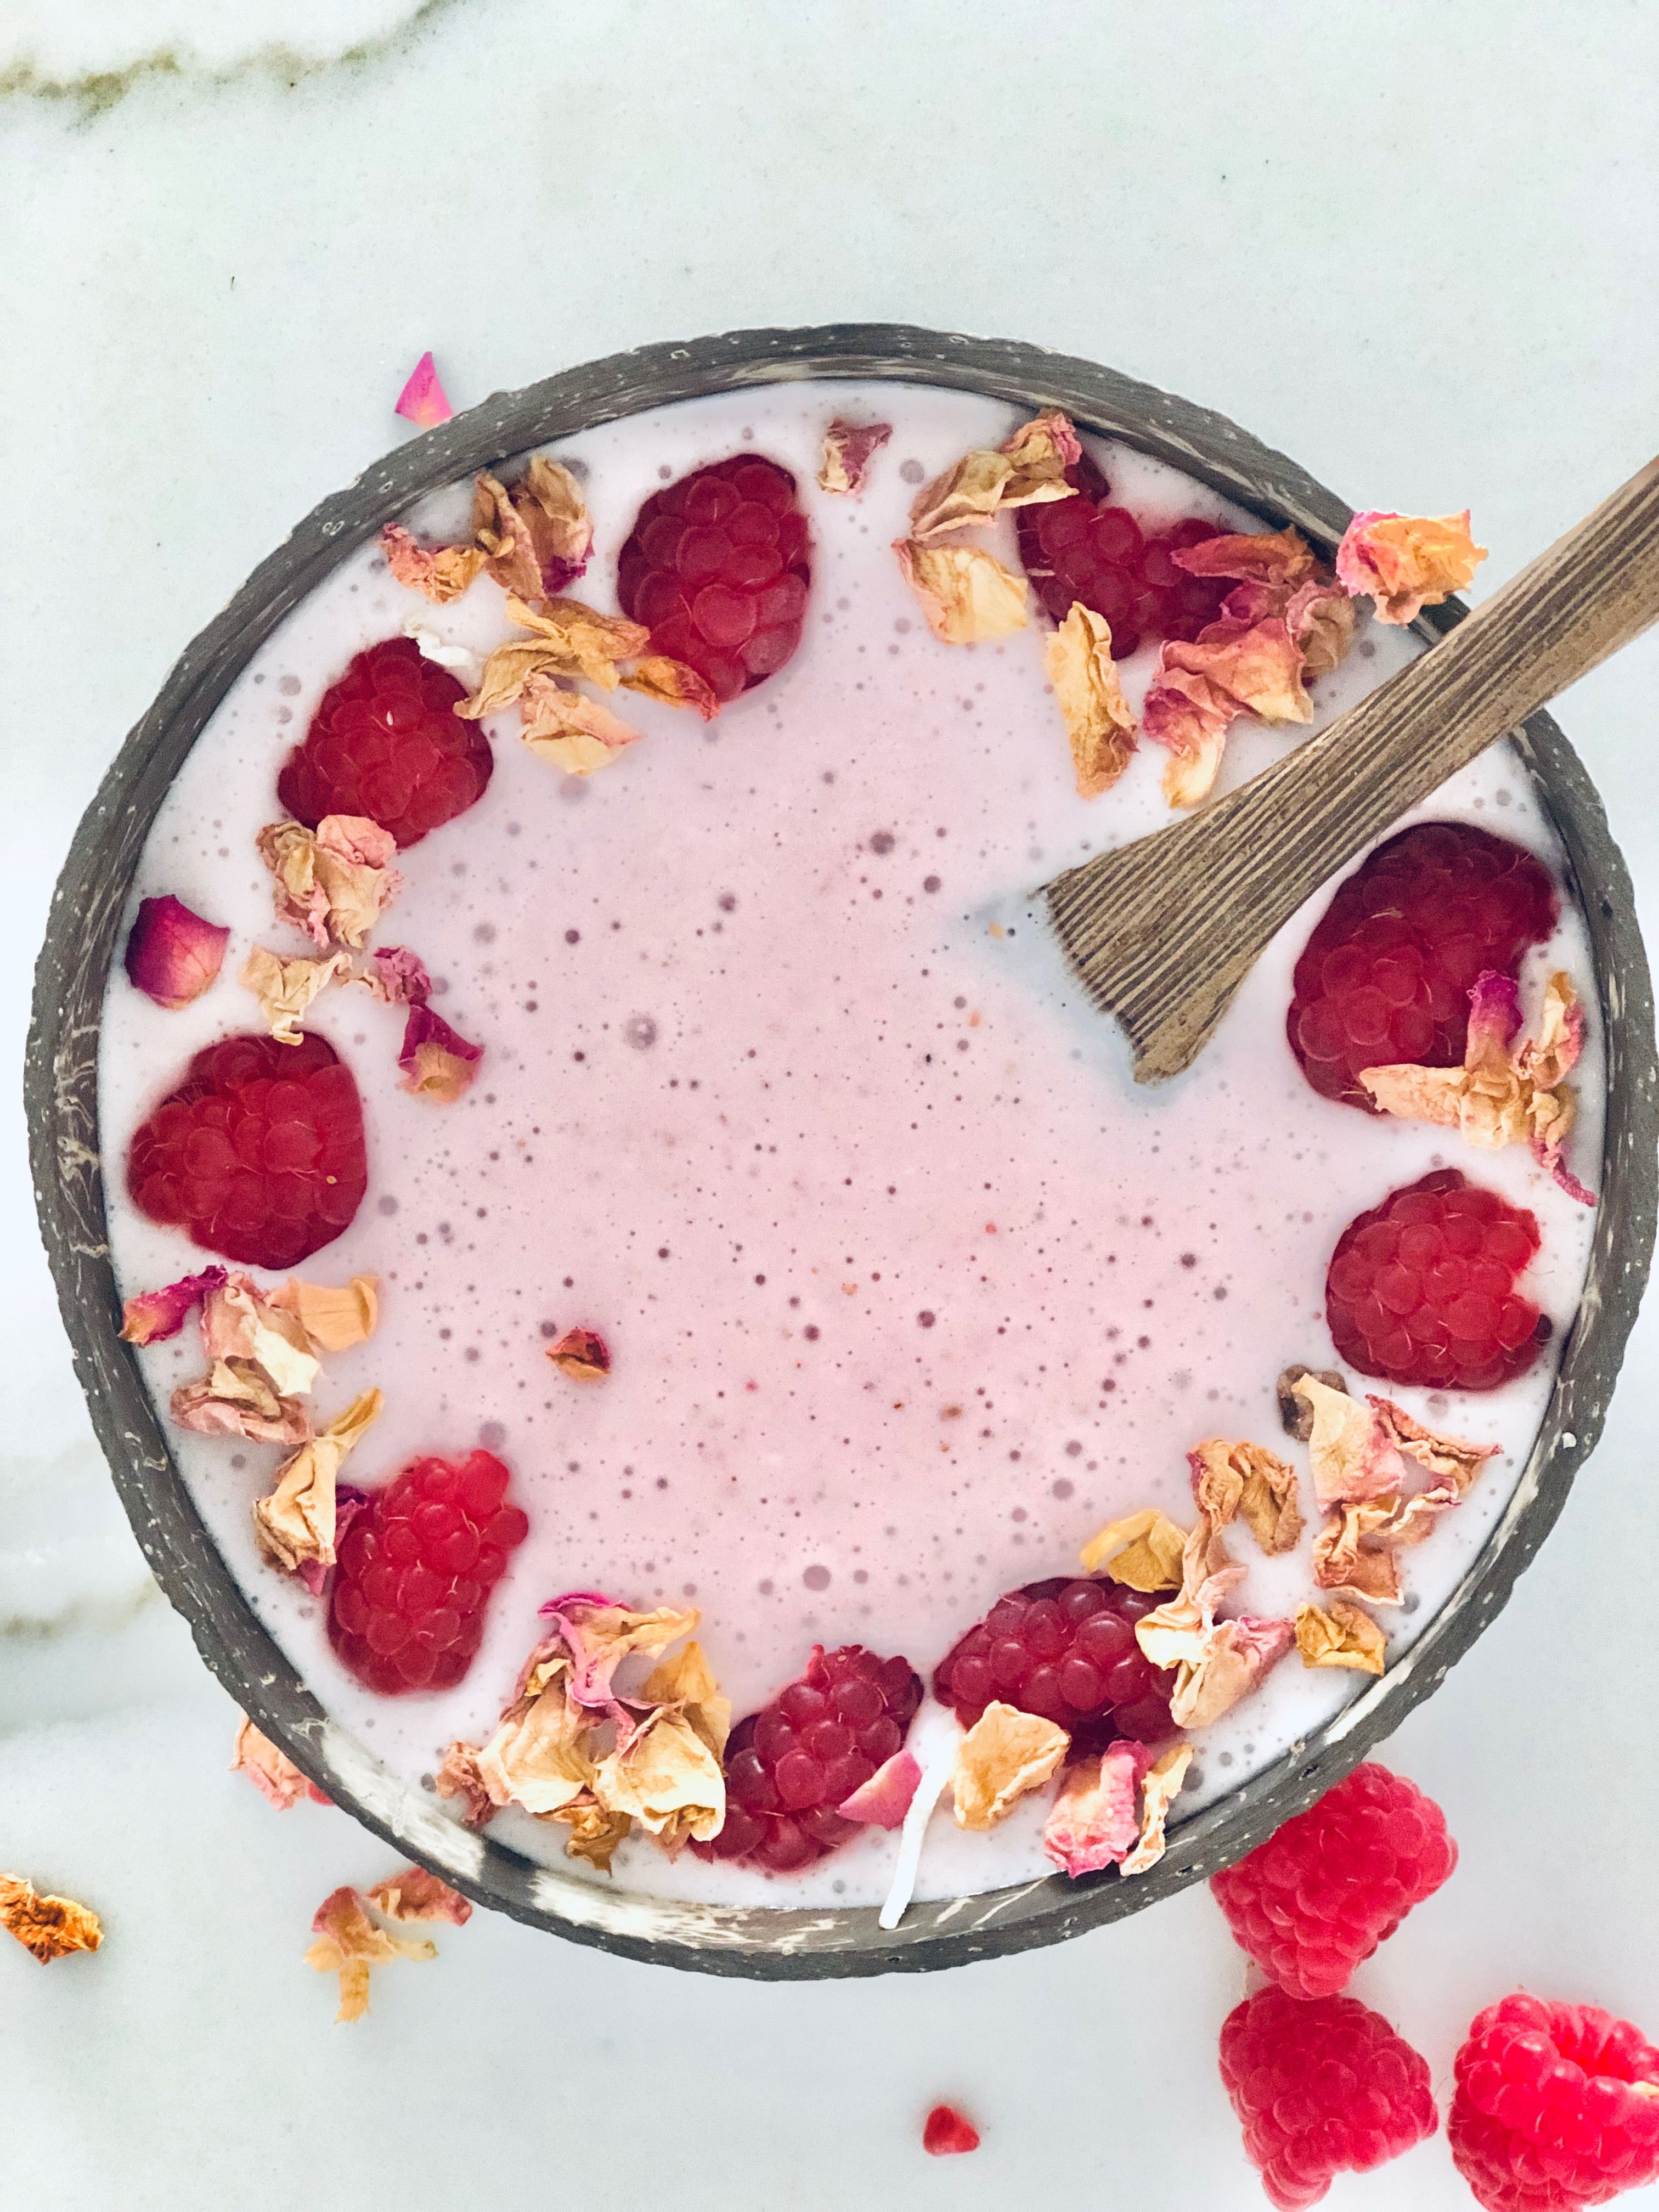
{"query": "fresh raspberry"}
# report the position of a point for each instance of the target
(716, 568)
(1328, 1887)
(1547, 2114)
(1086, 548)
(946, 2133)
(388, 743)
(789, 1765)
(1386, 976)
(1322, 2087)
(416, 1569)
(1422, 1288)
(1065, 1650)
(258, 1154)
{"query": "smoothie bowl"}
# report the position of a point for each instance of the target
(673, 1247)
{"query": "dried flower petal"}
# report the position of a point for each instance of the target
(414, 1895)
(1217, 1662)
(667, 1778)
(594, 1833)
(1094, 1823)
(458, 1777)
(1352, 1456)
(173, 954)
(439, 572)
(1320, 618)
(1028, 469)
(333, 882)
(437, 1061)
(1353, 1552)
(349, 1944)
(296, 1522)
(574, 732)
(672, 683)
(396, 976)
(155, 1315)
(598, 1636)
(285, 988)
(1005, 1754)
(271, 1771)
(1345, 1635)
(848, 450)
(1247, 1479)
(1296, 1413)
(1140, 1550)
(422, 400)
(1267, 557)
(1405, 562)
(967, 595)
(1159, 1792)
(235, 1399)
(240, 1323)
(581, 1353)
(1099, 725)
(1449, 1459)
(884, 1799)
(334, 1316)
(538, 536)
(538, 1757)
(48, 1926)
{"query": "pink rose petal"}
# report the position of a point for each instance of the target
(173, 954)
(437, 1061)
(422, 400)
(155, 1315)
(884, 1799)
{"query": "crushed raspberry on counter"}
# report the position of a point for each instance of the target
(1086, 548)
(946, 2133)
(1065, 1651)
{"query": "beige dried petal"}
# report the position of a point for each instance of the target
(235, 1399)
(538, 1756)
(1099, 725)
(1140, 1550)
(576, 734)
(1449, 1459)
(966, 596)
(658, 677)
(1352, 1551)
(1029, 468)
(1246, 1479)
(1158, 1791)
(686, 1680)
(1352, 1456)
(333, 882)
(550, 499)
(1005, 1754)
(592, 1639)
(590, 644)
(285, 988)
(1320, 618)
(458, 1777)
(288, 849)
(239, 1322)
(416, 1894)
(594, 1833)
(848, 450)
(334, 1316)
(349, 1944)
(48, 1926)
(1216, 1662)
(1408, 562)
(296, 1522)
(1041, 451)
(1345, 1635)
(439, 573)
(667, 1778)
(1092, 1823)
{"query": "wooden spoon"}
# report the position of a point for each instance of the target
(1163, 930)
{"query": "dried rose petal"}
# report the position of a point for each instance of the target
(1345, 1636)
(422, 400)
(1094, 1823)
(1157, 1793)
(271, 1771)
(397, 976)
(173, 954)
(155, 1315)
(848, 450)
(285, 988)
(1099, 725)
(672, 683)
(438, 1063)
(1352, 1455)
(414, 1895)
(334, 1316)
(1277, 557)
(1449, 1459)
(538, 536)
(48, 1926)
(567, 639)
(297, 1522)
(348, 1943)
(439, 572)
(884, 1799)
(1217, 1662)
(576, 734)
(967, 595)
(581, 1353)
(1003, 1756)
(1248, 1480)
(236, 1398)
(1405, 562)
(458, 1777)
(1140, 1550)
(333, 882)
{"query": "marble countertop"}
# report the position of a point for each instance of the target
(1414, 247)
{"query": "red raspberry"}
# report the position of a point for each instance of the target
(1386, 975)
(416, 1569)
(388, 743)
(1322, 2087)
(1422, 1288)
(716, 568)
(1547, 2115)
(1328, 1887)
(1066, 1650)
(790, 1765)
(258, 1154)
(946, 2133)
(1086, 548)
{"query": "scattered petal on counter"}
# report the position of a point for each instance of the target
(1352, 1455)
(414, 1895)
(884, 1799)
(538, 536)
(1505, 1092)
(1003, 1755)
(576, 734)
(422, 400)
(285, 988)
(297, 1522)
(439, 572)
(1099, 725)
(349, 1944)
(46, 1925)
(334, 1316)
(1217, 1662)
(1140, 1550)
(1159, 1790)
(1344, 1636)
(333, 882)
(672, 683)
(155, 1315)
(271, 1771)
(1029, 468)
(437, 1061)
(1247, 1480)
(848, 450)
(1296, 1413)
(1405, 562)
(966, 594)
(946, 2133)
(581, 1353)
(1094, 1823)
(173, 954)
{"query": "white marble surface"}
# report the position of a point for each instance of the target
(1412, 246)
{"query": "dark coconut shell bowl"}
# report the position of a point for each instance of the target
(62, 1099)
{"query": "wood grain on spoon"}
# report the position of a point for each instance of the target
(1163, 930)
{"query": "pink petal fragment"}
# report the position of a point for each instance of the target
(173, 954)
(414, 1895)
(1276, 557)
(422, 400)
(155, 1315)
(437, 1061)
(1405, 562)
(271, 1771)
(398, 976)
(884, 1799)
(848, 449)
(1095, 1823)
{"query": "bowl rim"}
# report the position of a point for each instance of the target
(61, 1101)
